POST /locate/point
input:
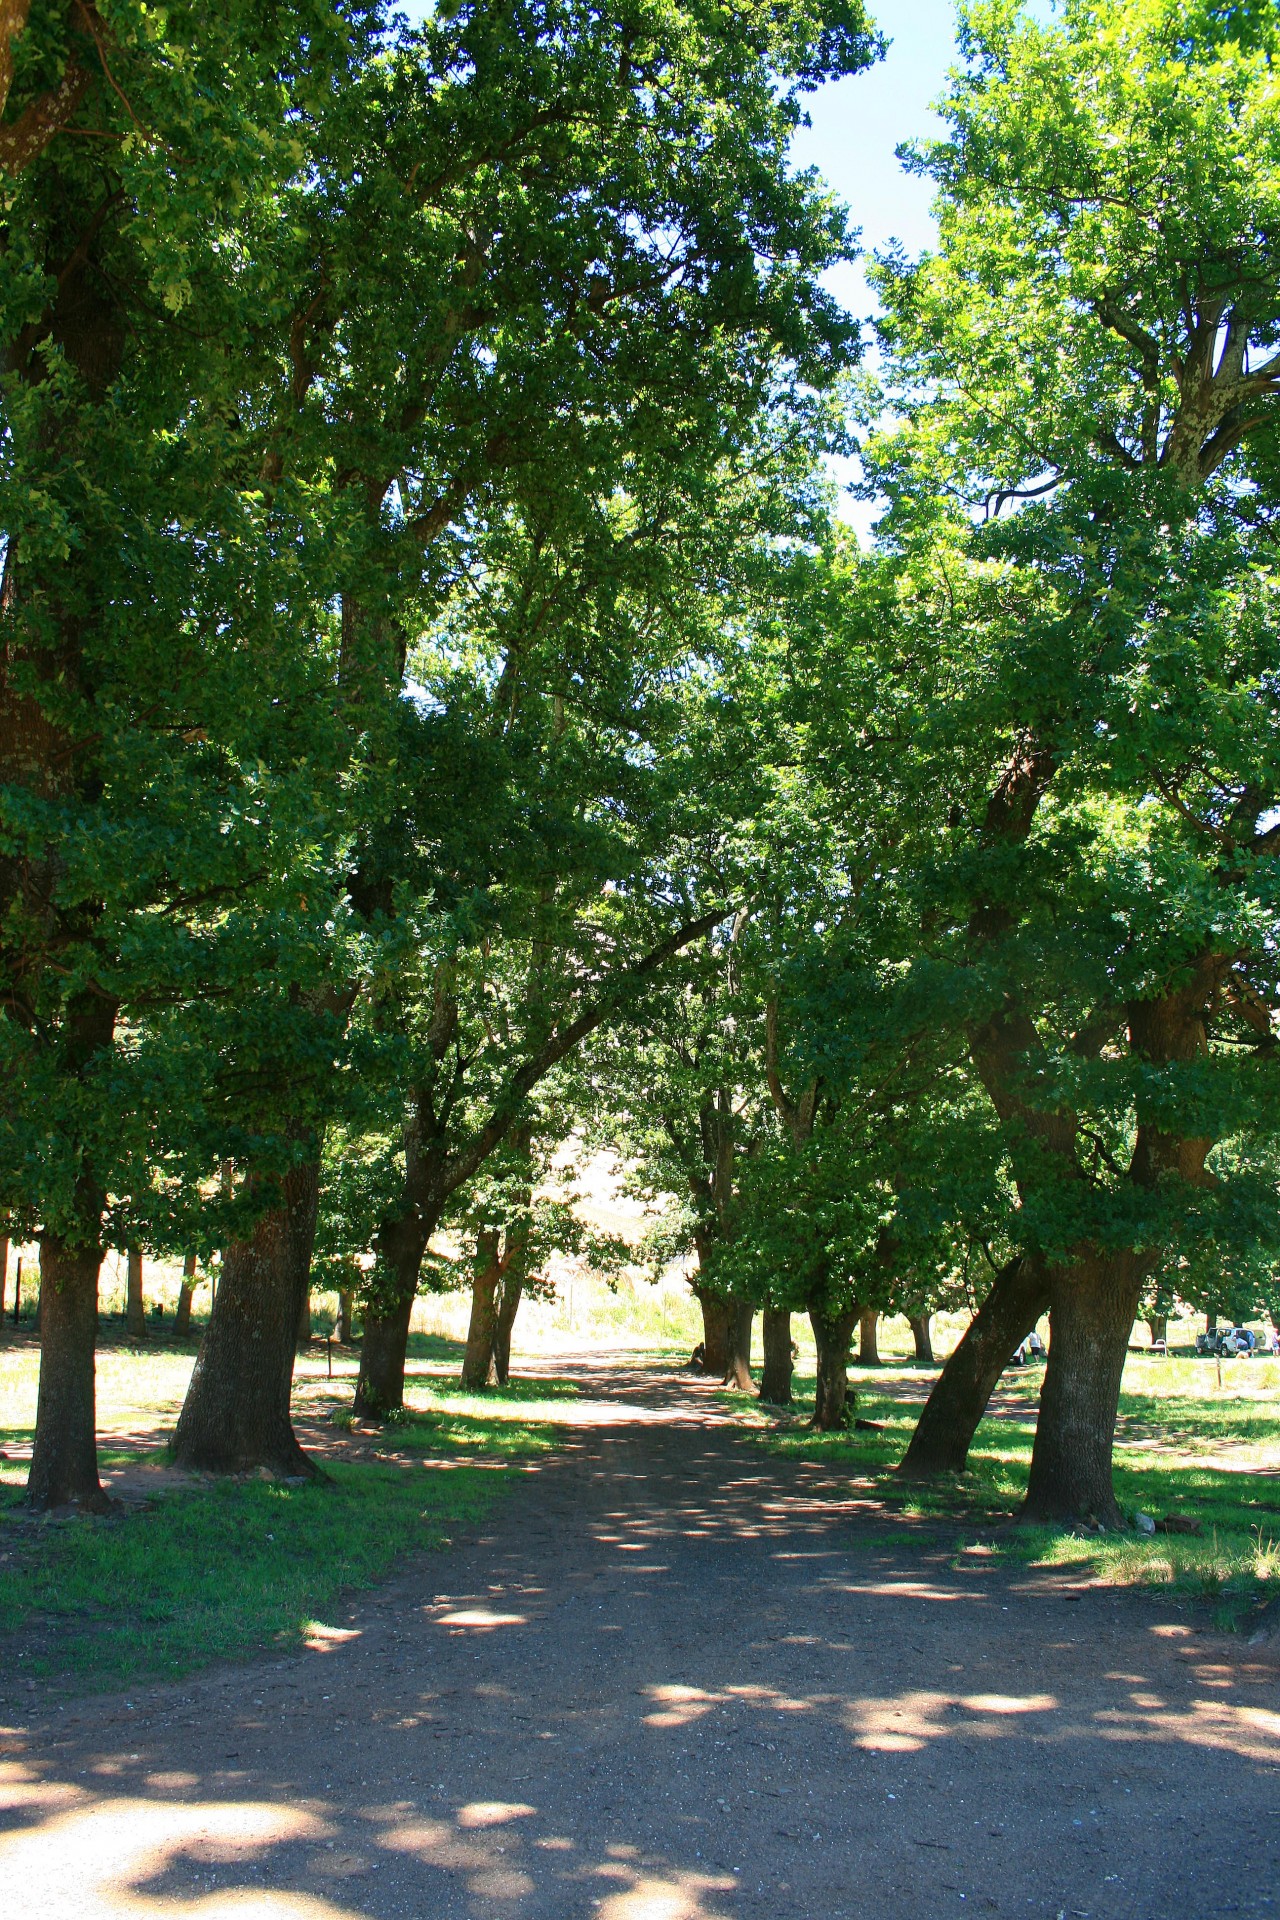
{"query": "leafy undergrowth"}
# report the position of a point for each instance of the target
(1210, 1457)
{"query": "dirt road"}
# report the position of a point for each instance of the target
(674, 1679)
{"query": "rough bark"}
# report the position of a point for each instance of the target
(922, 1333)
(477, 1361)
(236, 1414)
(135, 1313)
(775, 1381)
(868, 1338)
(383, 1346)
(302, 1336)
(944, 1432)
(385, 1341)
(833, 1335)
(508, 1306)
(1093, 1306)
(64, 1461)
(737, 1367)
(715, 1332)
(186, 1292)
(344, 1327)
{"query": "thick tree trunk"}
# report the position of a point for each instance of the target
(1094, 1304)
(1159, 1325)
(715, 1332)
(343, 1331)
(775, 1382)
(302, 1337)
(868, 1338)
(508, 1306)
(477, 1361)
(400, 1246)
(182, 1318)
(383, 1346)
(833, 1334)
(737, 1368)
(236, 1413)
(135, 1312)
(940, 1444)
(922, 1333)
(64, 1461)
(4, 1273)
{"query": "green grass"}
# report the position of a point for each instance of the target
(220, 1571)
(228, 1569)
(1212, 1455)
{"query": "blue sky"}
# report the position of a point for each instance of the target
(858, 123)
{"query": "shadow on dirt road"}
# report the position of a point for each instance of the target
(675, 1679)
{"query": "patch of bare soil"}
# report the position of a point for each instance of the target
(673, 1679)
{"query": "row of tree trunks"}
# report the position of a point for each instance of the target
(944, 1432)
(236, 1414)
(775, 1381)
(833, 1337)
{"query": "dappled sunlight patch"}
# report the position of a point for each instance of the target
(1249, 1733)
(665, 1896)
(676, 1706)
(482, 1619)
(318, 1638)
(112, 1858)
(909, 1722)
(493, 1813)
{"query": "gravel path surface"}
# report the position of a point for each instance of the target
(675, 1679)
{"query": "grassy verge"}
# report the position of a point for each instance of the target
(226, 1569)
(1186, 1449)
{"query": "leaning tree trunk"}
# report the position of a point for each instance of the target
(944, 1432)
(508, 1307)
(135, 1312)
(737, 1369)
(833, 1335)
(921, 1325)
(236, 1413)
(1094, 1304)
(182, 1318)
(775, 1381)
(477, 1361)
(64, 1460)
(715, 1332)
(868, 1341)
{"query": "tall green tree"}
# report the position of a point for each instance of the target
(1086, 378)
